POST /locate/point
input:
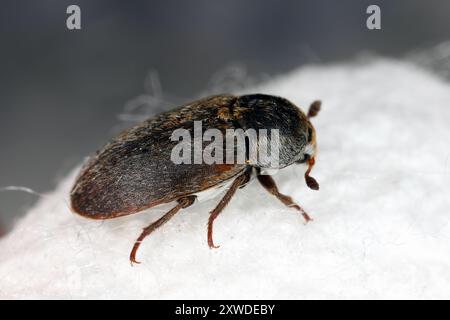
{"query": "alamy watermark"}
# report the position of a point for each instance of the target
(373, 21)
(73, 21)
(236, 146)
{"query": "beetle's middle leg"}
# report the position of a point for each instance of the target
(269, 184)
(239, 181)
(182, 203)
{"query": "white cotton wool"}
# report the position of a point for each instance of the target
(381, 224)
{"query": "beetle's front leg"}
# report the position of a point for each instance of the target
(269, 184)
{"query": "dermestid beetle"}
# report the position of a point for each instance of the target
(134, 171)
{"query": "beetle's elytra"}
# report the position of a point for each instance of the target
(135, 172)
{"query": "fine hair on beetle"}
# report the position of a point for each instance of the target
(218, 143)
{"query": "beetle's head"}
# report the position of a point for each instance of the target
(295, 133)
(296, 136)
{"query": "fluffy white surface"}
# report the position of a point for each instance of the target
(381, 218)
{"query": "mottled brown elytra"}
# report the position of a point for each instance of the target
(134, 171)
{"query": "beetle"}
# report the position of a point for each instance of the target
(134, 171)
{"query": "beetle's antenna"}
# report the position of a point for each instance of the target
(314, 109)
(310, 181)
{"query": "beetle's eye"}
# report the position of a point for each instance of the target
(305, 158)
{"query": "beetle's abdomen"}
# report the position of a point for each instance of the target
(137, 183)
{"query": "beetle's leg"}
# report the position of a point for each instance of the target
(314, 109)
(269, 184)
(223, 203)
(182, 203)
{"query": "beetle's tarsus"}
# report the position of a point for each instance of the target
(212, 245)
(302, 211)
(210, 234)
(133, 253)
(133, 262)
(306, 217)
(182, 203)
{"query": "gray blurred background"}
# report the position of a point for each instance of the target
(62, 92)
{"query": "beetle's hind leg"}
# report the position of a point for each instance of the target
(269, 184)
(182, 203)
(239, 181)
